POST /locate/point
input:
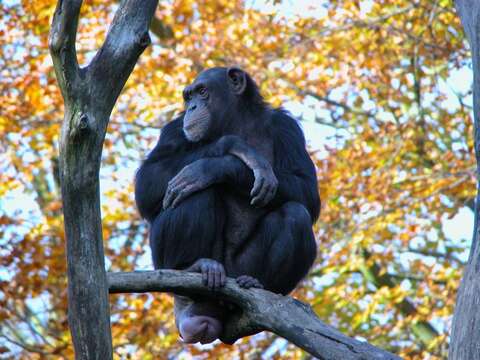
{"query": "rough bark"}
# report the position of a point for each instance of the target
(261, 310)
(89, 95)
(465, 339)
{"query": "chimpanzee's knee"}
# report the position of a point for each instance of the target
(293, 249)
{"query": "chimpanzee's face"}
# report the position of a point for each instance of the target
(200, 100)
(208, 100)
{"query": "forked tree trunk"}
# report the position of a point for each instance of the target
(89, 95)
(465, 338)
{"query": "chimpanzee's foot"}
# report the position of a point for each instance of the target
(248, 282)
(198, 321)
(213, 273)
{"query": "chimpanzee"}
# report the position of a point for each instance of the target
(229, 190)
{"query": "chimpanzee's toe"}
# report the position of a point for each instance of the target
(247, 282)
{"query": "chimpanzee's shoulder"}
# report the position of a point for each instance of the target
(286, 128)
(173, 130)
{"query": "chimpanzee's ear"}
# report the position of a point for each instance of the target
(237, 80)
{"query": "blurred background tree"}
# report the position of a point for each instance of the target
(383, 92)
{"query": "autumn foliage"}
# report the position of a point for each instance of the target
(385, 87)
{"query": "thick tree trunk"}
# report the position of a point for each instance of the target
(465, 339)
(89, 94)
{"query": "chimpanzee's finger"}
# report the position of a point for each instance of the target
(176, 180)
(204, 271)
(240, 281)
(270, 195)
(182, 194)
(218, 277)
(167, 199)
(267, 195)
(211, 277)
(257, 186)
(258, 200)
(223, 276)
(172, 195)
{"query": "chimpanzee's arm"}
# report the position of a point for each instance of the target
(265, 184)
(293, 167)
(233, 172)
(295, 171)
(206, 172)
(215, 165)
(151, 180)
(175, 168)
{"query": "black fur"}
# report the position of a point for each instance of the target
(273, 243)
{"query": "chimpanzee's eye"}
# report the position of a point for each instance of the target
(203, 91)
(187, 95)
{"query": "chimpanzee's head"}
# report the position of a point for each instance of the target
(216, 97)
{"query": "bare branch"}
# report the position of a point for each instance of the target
(422, 329)
(261, 310)
(437, 254)
(127, 38)
(352, 24)
(330, 101)
(367, 23)
(159, 29)
(62, 45)
(162, 31)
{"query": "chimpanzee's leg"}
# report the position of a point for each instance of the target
(189, 237)
(193, 230)
(279, 253)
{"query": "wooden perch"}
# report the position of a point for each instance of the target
(261, 310)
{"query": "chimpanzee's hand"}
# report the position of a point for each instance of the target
(192, 178)
(265, 185)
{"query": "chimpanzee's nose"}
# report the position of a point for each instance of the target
(193, 107)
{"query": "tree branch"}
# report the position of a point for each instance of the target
(332, 102)
(62, 45)
(162, 31)
(127, 38)
(159, 29)
(261, 310)
(422, 329)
